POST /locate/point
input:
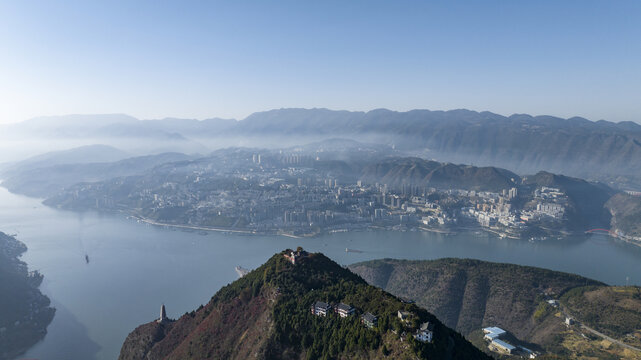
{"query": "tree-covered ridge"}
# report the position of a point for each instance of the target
(267, 314)
(469, 295)
(328, 337)
(626, 214)
(396, 172)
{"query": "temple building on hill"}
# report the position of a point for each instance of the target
(294, 256)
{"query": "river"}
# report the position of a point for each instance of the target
(134, 268)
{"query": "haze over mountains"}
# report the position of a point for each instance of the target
(305, 173)
(41, 181)
(66, 182)
(520, 143)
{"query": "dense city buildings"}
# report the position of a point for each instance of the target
(298, 194)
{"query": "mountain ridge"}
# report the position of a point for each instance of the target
(266, 314)
(530, 303)
(520, 142)
(414, 171)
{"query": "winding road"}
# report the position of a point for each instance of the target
(599, 334)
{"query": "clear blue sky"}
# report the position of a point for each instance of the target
(202, 59)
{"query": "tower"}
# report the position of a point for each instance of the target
(163, 314)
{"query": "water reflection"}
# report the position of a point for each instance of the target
(66, 339)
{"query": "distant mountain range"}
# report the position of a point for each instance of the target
(521, 143)
(39, 179)
(266, 315)
(81, 155)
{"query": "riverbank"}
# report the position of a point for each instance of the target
(301, 232)
(194, 227)
(624, 238)
(291, 234)
(24, 310)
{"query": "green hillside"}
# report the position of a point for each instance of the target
(469, 295)
(419, 172)
(266, 315)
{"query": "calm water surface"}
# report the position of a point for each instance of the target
(134, 268)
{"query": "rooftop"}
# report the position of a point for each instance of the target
(369, 317)
(427, 326)
(503, 344)
(494, 330)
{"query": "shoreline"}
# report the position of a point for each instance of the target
(25, 324)
(621, 238)
(373, 227)
(501, 234)
(437, 231)
(279, 232)
(192, 227)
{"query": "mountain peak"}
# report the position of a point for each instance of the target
(296, 305)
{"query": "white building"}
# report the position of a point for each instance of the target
(425, 333)
(551, 209)
(424, 336)
(492, 333)
(502, 346)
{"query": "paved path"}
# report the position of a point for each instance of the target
(610, 339)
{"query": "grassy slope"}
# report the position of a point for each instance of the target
(471, 294)
(613, 310)
(468, 294)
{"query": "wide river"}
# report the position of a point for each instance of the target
(134, 268)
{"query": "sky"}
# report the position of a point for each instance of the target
(203, 59)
